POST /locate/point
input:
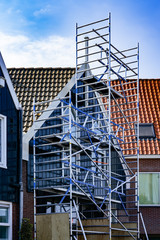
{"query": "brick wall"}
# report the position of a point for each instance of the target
(15, 221)
(28, 203)
(149, 165)
(28, 200)
(151, 215)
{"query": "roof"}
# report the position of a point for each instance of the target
(46, 83)
(149, 112)
(39, 83)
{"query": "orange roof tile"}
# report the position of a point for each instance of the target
(149, 112)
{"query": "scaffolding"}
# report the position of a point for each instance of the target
(86, 153)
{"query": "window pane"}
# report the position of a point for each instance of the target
(149, 188)
(146, 130)
(3, 233)
(3, 215)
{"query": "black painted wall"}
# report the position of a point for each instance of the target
(9, 178)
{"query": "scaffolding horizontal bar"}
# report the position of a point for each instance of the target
(93, 38)
(91, 31)
(124, 230)
(51, 118)
(127, 50)
(92, 23)
(51, 100)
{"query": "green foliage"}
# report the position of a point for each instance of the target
(26, 232)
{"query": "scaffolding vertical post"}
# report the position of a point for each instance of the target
(76, 77)
(109, 132)
(138, 210)
(70, 165)
(76, 90)
(34, 172)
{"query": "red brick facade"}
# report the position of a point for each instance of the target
(28, 203)
(151, 215)
(28, 200)
(15, 220)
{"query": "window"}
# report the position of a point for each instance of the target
(3, 142)
(146, 130)
(149, 188)
(5, 221)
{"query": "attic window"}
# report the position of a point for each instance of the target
(146, 130)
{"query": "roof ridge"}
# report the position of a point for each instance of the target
(18, 68)
(149, 79)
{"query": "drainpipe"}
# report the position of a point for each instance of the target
(20, 171)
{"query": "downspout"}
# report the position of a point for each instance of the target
(20, 171)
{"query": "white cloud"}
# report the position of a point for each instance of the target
(57, 51)
(53, 51)
(42, 11)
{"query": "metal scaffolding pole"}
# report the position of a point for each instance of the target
(109, 131)
(138, 144)
(34, 173)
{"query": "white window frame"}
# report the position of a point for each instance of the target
(149, 205)
(9, 224)
(3, 122)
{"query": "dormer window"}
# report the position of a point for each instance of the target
(3, 142)
(146, 130)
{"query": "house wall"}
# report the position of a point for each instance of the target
(28, 203)
(28, 200)
(9, 176)
(15, 222)
(151, 215)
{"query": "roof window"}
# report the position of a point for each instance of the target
(146, 130)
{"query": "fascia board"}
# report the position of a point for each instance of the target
(52, 106)
(9, 83)
(147, 156)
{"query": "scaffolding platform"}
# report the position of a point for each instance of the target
(100, 87)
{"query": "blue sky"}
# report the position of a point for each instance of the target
(42, 32)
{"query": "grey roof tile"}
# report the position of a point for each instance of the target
(39, 83)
